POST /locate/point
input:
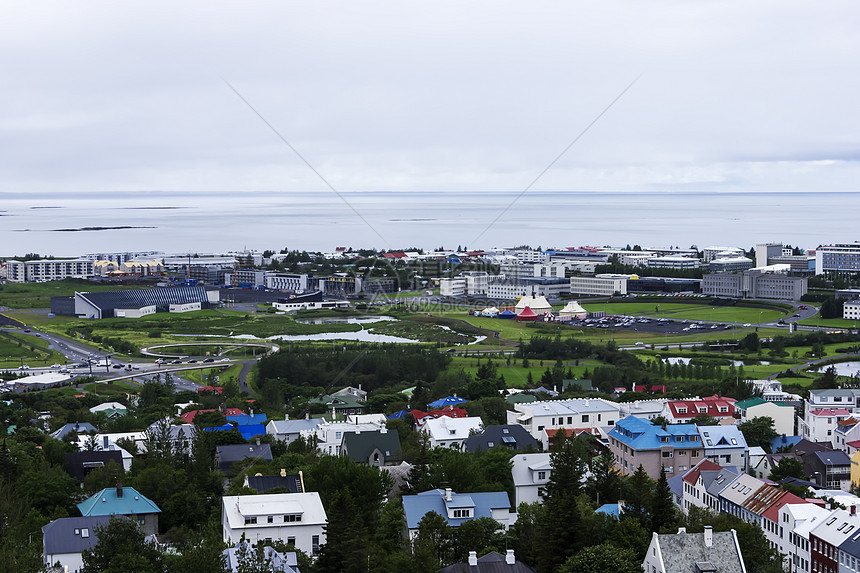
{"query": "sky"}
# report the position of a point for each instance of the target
(101, 97)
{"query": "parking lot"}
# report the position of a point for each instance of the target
(665, 326)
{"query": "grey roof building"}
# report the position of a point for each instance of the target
(64, 540)
(684, 552)
(511, 436)
(492, 562)
(263, 484)
(226, 456)
(77, 427)
(376, 448)
(80, 464)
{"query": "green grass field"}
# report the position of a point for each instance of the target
(690, 311)
(515, 375)
(38, 295)
(829, 322)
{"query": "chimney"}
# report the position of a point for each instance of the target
(448, 494)
(245, 483)
(105, 442)
(286, 417)
(853, 509)
(682, 530)
(307, 415)
(283, 473)
(119, 489)
(709, 536)
(258, 442)
(509, 557)
(473, 558)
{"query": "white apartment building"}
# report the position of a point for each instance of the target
(297, 518)
(711, 253)
(672, 262)
(824, 409)
(599, 285)
(630, 258)
(795, 520)
(529, 256)
(841, 257)
(48, 270)
(452, 287)
(286, 282)
(851, 310)
(536, 417)
(448, 432)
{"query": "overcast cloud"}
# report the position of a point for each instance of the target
(735, 96)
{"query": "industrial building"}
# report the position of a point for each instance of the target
(134, 303)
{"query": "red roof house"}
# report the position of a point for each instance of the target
(678, 411)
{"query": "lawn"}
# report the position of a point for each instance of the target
(689, 311)
(111, 388)
(515, 375)
(828, 322)
(38, 295)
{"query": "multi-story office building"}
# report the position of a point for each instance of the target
(119, 258)
(851, 310)
(841, 257)
(711, 253)
(600, 285)
(672, 262)
(754, 284)
(730, 264)
(509, 289)
(287, 282)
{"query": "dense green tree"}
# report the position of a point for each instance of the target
(604, 482)
(483, 534)
(629, 534)
(758, 432)
(639, 493)
(787, 467)
(604, 558)
(122, 548)
(348, 545)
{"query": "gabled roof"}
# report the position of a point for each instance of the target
(512, 436)
(117, 501)
(722, 437)
(237, 452)
(416, 506)
(262, 484)
(492, 562)
(448, 411)
(710, 405)
(643, 435)
(309, 505)
(783, 441)
(742, 489)
(750, 402)
(248, 431)
(360, 445)
(293, 426)
(692, 476)
(72, 534)
(443, 429)
(523, 466)
(834, 458)
(830, 412)
(837, 527)
(446, 401)
(682, 551)
(78, 464)
(761, 500)
(247, 419)
(788, 498)
(189, 416)
(78, 427)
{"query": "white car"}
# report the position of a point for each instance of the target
(747, 325)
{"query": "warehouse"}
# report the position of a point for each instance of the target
(140, 302)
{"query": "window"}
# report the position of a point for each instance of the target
(270, 519)
(569, 420)
(251, 520)
(293, 518)
(85, 532)
(585, 417)
(291, 541)
(682, 410)
(461, 513)
(315, 544)
(541, 475)
(667, 454)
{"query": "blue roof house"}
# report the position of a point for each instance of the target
(456, 508)
(248, 419)
(675, 447)
(446, 401)
(125, 501)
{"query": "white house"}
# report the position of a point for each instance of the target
(451, 432)
(588, 413)
(297, 518)
(531, 474)
(64, 540)
(794, 543)
(288, 430)
(781, 414)
(330, 434)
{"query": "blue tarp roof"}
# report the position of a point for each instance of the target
(609, 509)
(783, 441)
(398, 415)
(223, 428)
(247, 419)
(248, 431)
(447, 401)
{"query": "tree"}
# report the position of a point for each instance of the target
(604, 482)
(758, 432)
(787, 467)
(604, 558)
(121, 548)
(705, 420)
(831, 308)
(639, 494)
(663, 512)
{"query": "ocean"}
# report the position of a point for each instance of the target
(178, 222)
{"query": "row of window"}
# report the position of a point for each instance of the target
(288, 518)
